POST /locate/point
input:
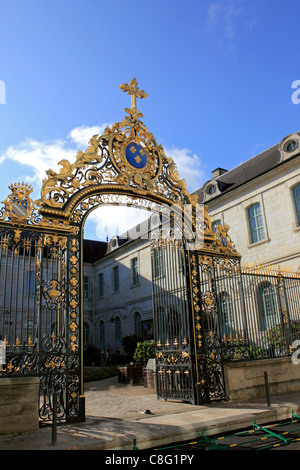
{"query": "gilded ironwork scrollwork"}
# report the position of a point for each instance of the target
(126, 156)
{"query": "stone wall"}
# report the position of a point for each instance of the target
(19, 405)
(149, 378)
(246, 380)
(130, 374)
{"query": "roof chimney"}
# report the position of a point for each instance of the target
(218, 172)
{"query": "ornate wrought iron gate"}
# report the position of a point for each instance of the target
(186, 282)
(216, 260)
(41, 303)
(39, 314)
(208, 273)
(172, 321)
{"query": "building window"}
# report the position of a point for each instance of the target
(116, 284)
(101, 284)
(211, 189)
(118, 332)
(102, 334)
(137, 324)
(158, 262)
(215, 224)
(266, 305)
(86, 287)
(134, 271)
(290, 147)
(296, 195)
(256, 225)
(30, 282)
(225, 312)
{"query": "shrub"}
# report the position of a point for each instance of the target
(90, 374)
(144, 351)
(278, 338)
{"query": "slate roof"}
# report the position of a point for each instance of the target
(93, 250)
(247, 171)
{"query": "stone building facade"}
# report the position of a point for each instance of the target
(117, 293)
(260, 201)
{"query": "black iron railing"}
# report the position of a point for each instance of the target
(256, 311)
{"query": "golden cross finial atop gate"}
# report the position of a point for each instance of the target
(133, 90)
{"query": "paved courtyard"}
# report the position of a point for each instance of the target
(115, 420)
(110, 399)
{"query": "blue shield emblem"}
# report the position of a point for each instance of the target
(136, 155)
(224, 241)
(19, 207)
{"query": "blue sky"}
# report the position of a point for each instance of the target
(218, 73)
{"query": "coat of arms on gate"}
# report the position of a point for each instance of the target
(223, 241)
(18, 204)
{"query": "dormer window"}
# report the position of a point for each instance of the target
(290, 146)
(211, 189)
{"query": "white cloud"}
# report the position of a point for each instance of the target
(227, 16)
(189, 166)
(108, 221)
(39, 156)
(81, 135)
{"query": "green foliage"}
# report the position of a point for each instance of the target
(278, 337)
(144, 351)
(273, 337)
(256, 352)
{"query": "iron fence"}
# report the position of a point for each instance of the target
(255, 310)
